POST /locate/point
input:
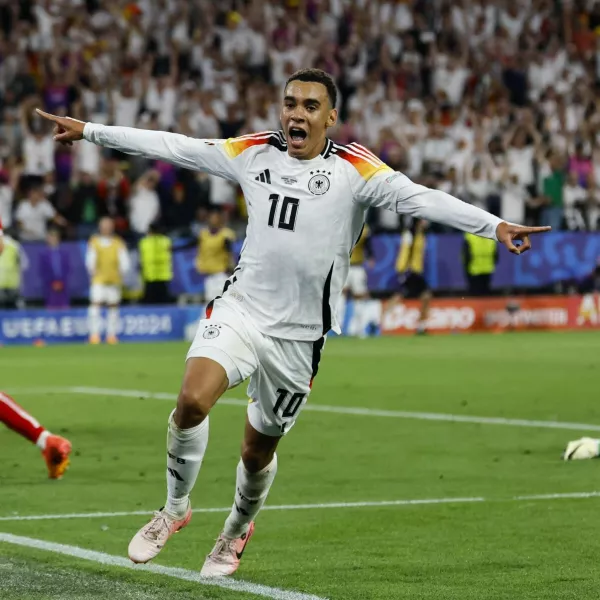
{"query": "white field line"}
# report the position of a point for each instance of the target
(235, 585)
(340, 410)
(286, 507)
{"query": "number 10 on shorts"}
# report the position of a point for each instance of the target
(286, 405)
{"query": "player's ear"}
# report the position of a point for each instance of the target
(332, 118)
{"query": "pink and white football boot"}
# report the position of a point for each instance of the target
(226, 555)
(151, 538)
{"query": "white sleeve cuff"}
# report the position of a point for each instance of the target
(89, 129)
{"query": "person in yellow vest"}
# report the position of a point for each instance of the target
(156, 259)
(356, 286)
(215, 255)
(480, 257)
(410, 266)
(12, 262)
(107, 261)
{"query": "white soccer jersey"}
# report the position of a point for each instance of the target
(304, 217)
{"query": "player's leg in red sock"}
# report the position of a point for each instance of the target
(19, 420)
(55, 449)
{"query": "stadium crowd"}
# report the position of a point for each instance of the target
(493, 101)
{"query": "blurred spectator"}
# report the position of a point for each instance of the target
(34, 213)
(13, 261)
(215, 254)
(480, 257)
(114, 189)
(86, 208)
(181, 212)
(574, 199)
(156, 259)
(38, 145)
(513, 199)
(54, 271)
(478, 186)
(552, 189)
(9, 180)
(144, 205)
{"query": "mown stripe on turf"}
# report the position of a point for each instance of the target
(343, 410)
(326, 505)
(236, 585)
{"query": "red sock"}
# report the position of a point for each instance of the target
(15, 417)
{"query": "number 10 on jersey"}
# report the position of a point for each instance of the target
(288, 210)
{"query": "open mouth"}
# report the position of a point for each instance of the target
(297, 136)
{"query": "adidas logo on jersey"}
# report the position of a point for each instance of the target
(264, 177)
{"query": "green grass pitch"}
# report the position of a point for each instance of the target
(496, 548)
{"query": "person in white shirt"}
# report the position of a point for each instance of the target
(307, 200)
(478, 186)
(161, 98)
(575, 196)
(513, 199)
(144, 203)
(8, 186)
(450, 80)
(34, 213)
(125, 104)
(38, 146)
(437, 148)
(520, 156)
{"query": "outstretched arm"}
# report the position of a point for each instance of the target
(395, 191)
(210, 156)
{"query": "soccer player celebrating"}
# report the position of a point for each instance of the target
(107, 262)
(307, 199)
(215, 256)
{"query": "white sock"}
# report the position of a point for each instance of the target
(41, 441)
(94, 319)
(112, 321)
(251, 490)
(185, 451)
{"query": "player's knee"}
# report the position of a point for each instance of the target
(256, 459)
(193, 406)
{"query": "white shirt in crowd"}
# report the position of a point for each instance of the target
(87, 158)
(38, 155)
(257, 49)
(512, 206)
(573, 195)
(204, 125)
(520, 163)
(144, 208)
(477, 190)
(6, 202)
(452, 82)
(34, 219)
(126, 109)
(222, 192)
(162, 102)
(438, 150)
